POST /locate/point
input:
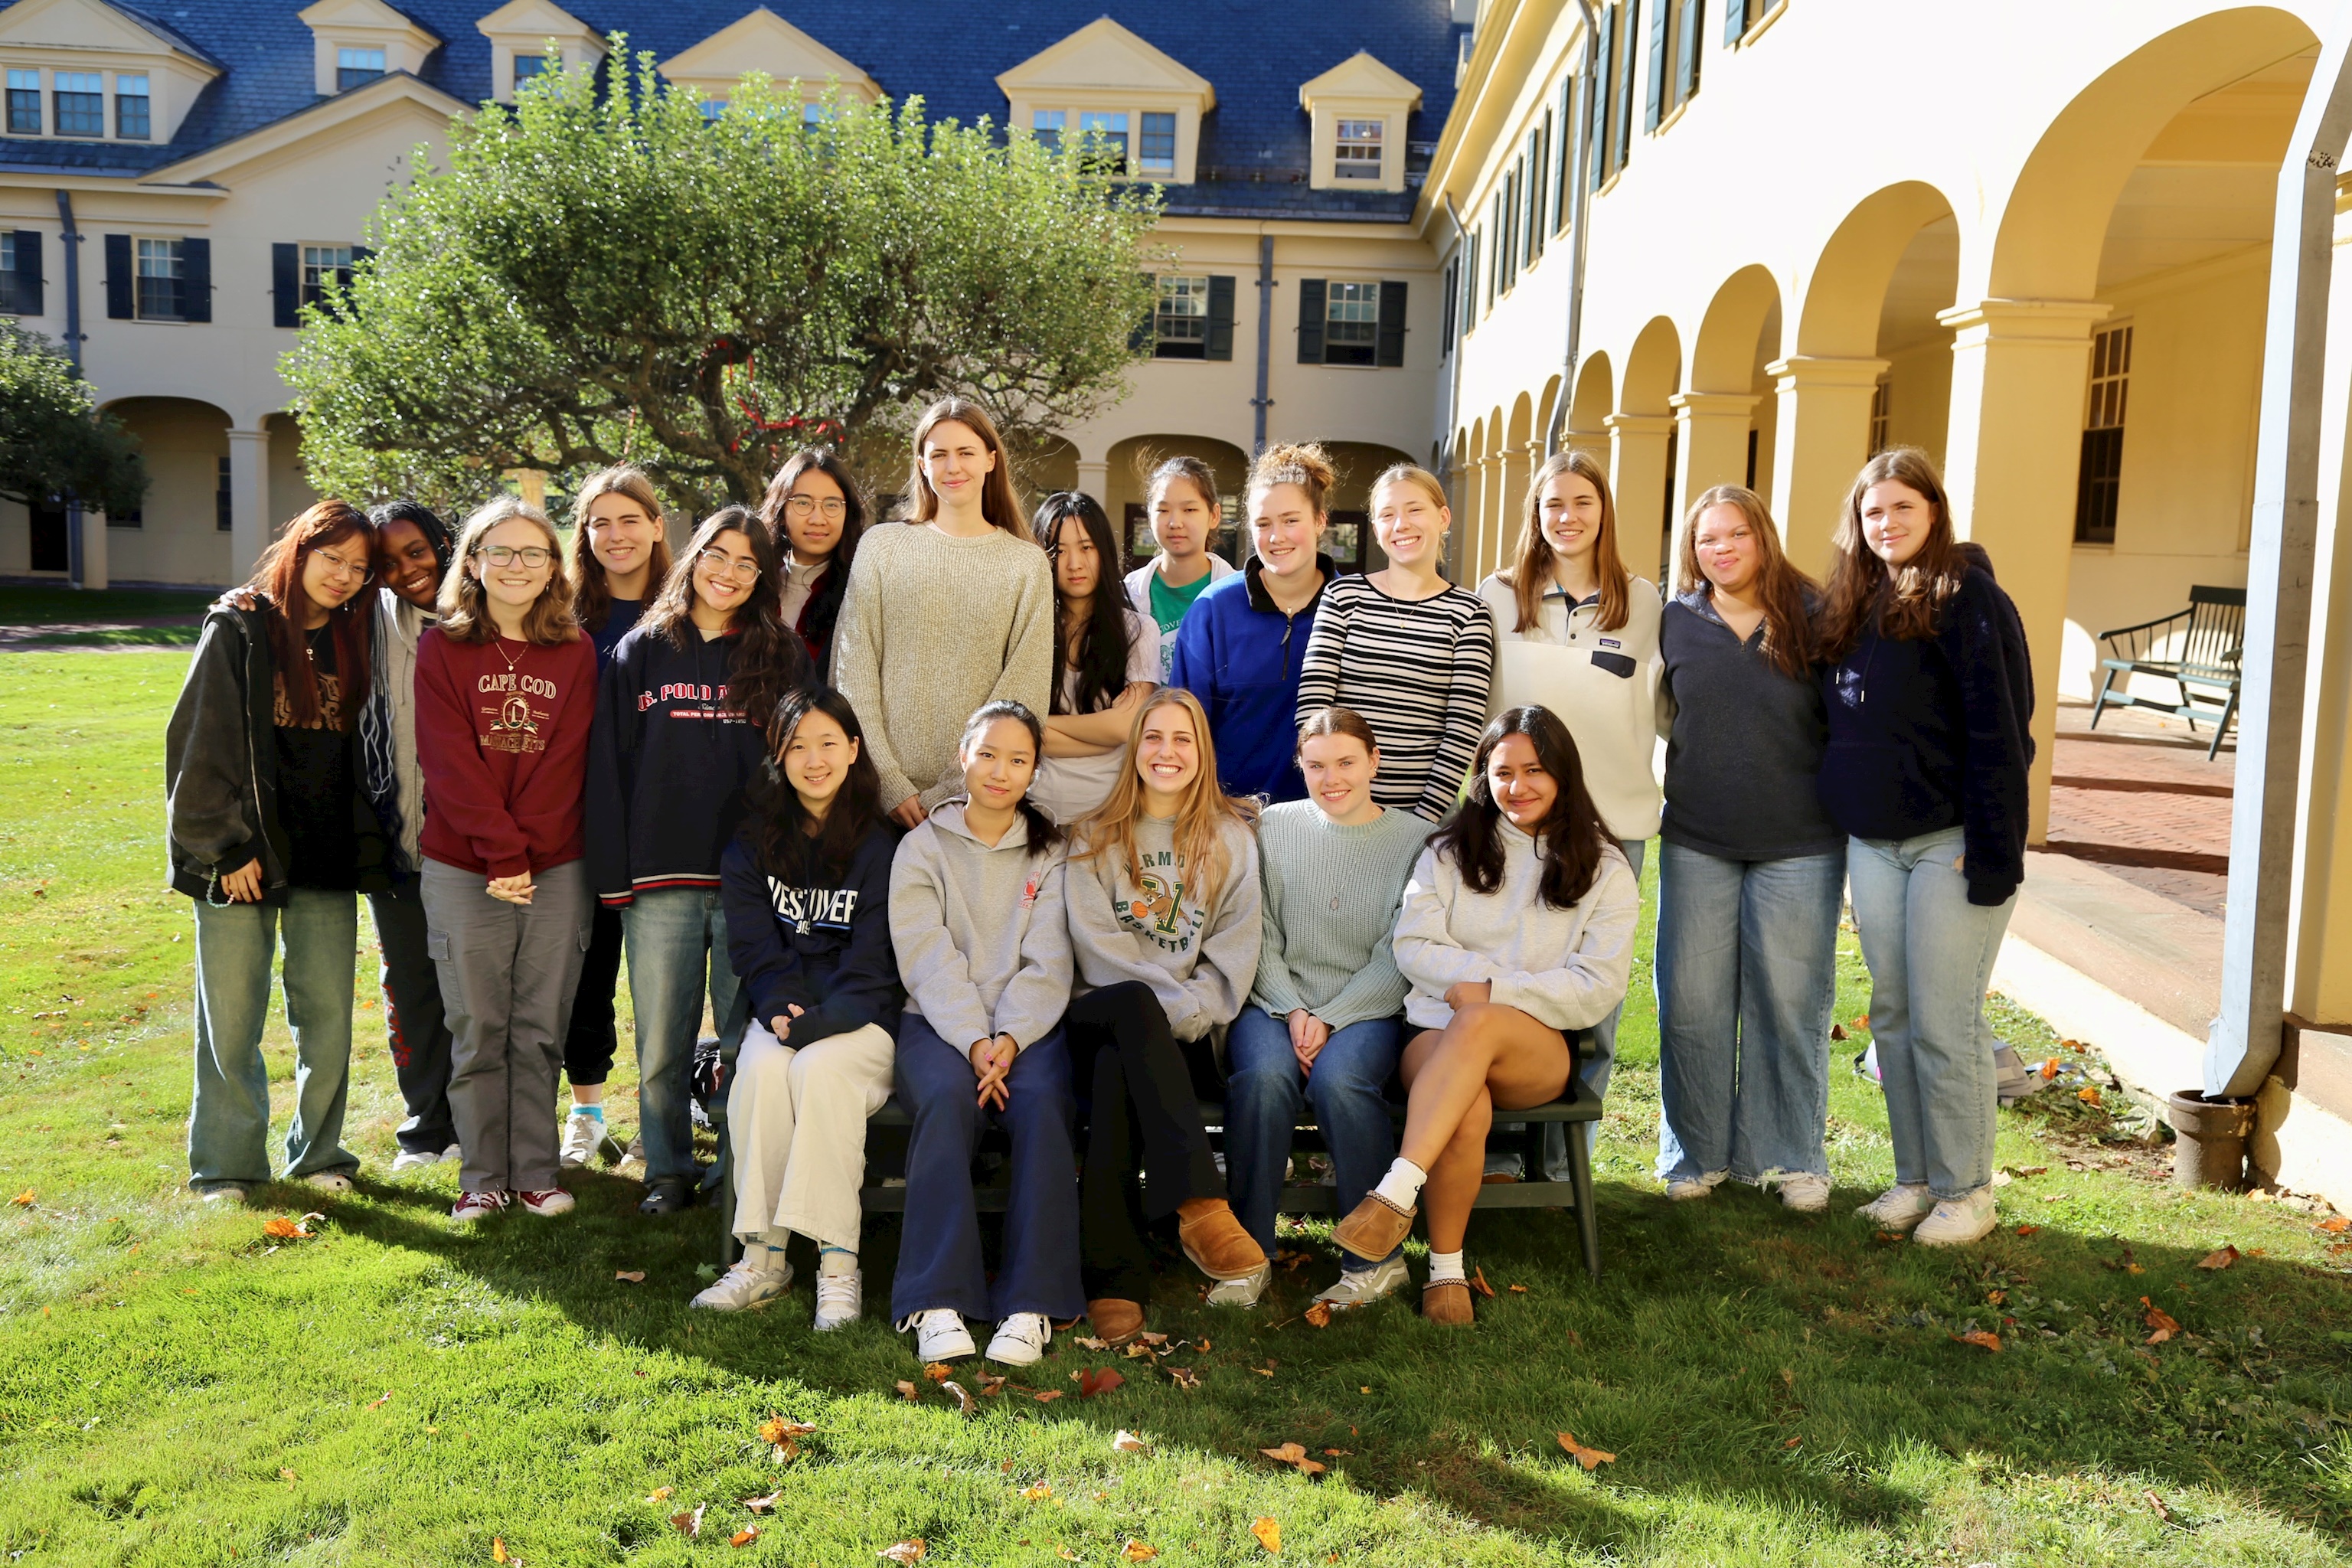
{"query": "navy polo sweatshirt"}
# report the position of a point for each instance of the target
(667, 764)
(1242, 658)
(1933, 732)
(821, 944)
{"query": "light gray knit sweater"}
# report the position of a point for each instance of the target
(1198, 957)
(1331, 897)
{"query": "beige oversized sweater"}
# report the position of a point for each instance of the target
(932, 627)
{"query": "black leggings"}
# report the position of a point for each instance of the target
(589, 1044)
(1143, 1087)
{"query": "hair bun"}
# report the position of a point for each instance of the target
(1302, 463)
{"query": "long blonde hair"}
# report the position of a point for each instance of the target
(1531, 572)
(1206, 808)
(464, 603)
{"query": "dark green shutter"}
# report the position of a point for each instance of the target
(1565, 152)
(1220, 318)
(28, 271)
(1310, 320)
(1596, 117)
(1538, 187)
(122, 297)
(1391, 341)
(1735, 22)
(1686, 49)
(1657, 109)
(195, 280)
(1629, 84)
(1447, 302)
(285, 285)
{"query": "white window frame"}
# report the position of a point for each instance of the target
(1347, 159)
(355, 57)
(1188, 294)
(167, 250)
(22, 80)
(1361, 299)
(81, 85)
(144, 94)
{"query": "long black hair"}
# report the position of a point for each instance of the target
(777, 824)
(1571, 837)
(823, 610)
(768, 658)
(1044, 831)
(1100, 662)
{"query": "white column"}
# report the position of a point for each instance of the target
(1824, 439)
(1711, 449)
(1637, 473)
(1094, 478)
(93, 548)
(249, 501)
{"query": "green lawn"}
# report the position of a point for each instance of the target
(34, 606)
(176, 1386)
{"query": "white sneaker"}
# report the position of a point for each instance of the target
(415, 1159)
(231, 1194)
(454, 1154)
(1898, 1207)
(1243, 1291)
(581, 1134)
(1957, 1221)
(940, 1334)
(1801, 1191)
(744, 1286)
(1020, 1340)
(1362, 1286)
(329, 1181)
(840, 1299)
(1688, 1187)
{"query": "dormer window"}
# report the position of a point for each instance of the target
(24, 103)
(713, 108)
(1155, 152)
(131, 116)
(765, 44)
(357, 67)
(1356, 155)
(1360, 108)
(1045, 124)
(357, 42)
(65, 61)
(531, 39)
(1110, 132)
(80, 100)
(527, 67)
(1142, 106)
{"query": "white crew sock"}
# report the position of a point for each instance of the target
(835, 1260)
(1445, 1266)
(1402, 1187)
(766, 1259)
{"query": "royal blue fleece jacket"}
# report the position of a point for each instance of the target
(825, 949)
(1934, 733)
(1241, 658)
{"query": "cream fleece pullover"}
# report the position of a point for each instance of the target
(1567, 968)
(983, 944)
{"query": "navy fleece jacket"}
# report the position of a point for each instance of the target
(1243, 658)
(1931, 733)
(825, 950)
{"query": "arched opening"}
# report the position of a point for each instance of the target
(1046, 465)
(1723, 425)
(1643, 453)
(182, 533)
(1588, 410)
(1358, 464)
(1128, 482)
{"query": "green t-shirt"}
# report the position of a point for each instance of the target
(1167, 607)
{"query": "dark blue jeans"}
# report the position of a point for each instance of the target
(939, 1262)
(1265, 1090)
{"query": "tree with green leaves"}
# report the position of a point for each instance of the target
(54, 441)
(604, 274)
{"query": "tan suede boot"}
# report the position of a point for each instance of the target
(1214, 1240)
(1447, 1302)
(1115, 1319)
(1374, 1228)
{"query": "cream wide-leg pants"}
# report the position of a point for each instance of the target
(796, 1125)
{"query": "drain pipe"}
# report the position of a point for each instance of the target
(69, 241)
(1589, 78)
(1261, 403)
(1454, 383)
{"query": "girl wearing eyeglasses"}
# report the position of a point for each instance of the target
(676, 744)
(1106, 659)
(272, 837)
(816, 516)
(506, 693)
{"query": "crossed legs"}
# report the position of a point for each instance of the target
(1490, 1058)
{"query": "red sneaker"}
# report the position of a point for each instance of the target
(472, 1206)
(555, 1200)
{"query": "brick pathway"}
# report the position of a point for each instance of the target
(2137, 799)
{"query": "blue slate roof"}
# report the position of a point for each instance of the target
(1253, 147)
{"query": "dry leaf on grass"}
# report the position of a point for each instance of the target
(776, 1429)
(2220, 1258)
(1184, 1376)
(1268, 1532)
(1295, 1456)
(1088, 1341)
(1155, 1341)
(1519, 1290)
(762, 1504)
(1988, 1340)
(499, 1552)
(908, 1390)
(1048, 1396)
(1478, 1283)
(1793, 1442)
(285, 1229)
(964, 1401)
(1319, 1314)
(2157, 1503)
(659, 1494)
(2029, 1229)
(630, 1276)
(1136, 1551)
(1037, 1493)
(1065, 1554)
(1888, 1236)
(1091, 1381)
(990, 1385)
(2163, 1322)
(936, 1371)
(1266, 1371)
(379, 1403)
(285, 1475)
(691, 1523)
(1837, 1031)
(905, 1551)
(1583, 1456)
(2088, 1094)
(2333, 1225)
(745, 1536)
(1126, 1442)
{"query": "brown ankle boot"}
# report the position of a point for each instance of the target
(1115, 1319)
(1214, 1240)
(1374, 1228)
(1447, 1302)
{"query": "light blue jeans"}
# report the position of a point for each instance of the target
(1746, 982)
(228, 1128)
(1930, 954)
(677, 952)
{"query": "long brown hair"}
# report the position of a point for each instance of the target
(464, 603)
(591, 592)
(1904, 604)
(1205, 809)
(1000, 502)
(1531, 572)
(1786, 592)
(1572, 838)
(768, 657)
(276, 587)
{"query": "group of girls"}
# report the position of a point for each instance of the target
(947, 809)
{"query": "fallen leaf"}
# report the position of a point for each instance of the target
(1519, 1290)
(378, 1404)
(1091, 1382)
(1088, 1341)
(2163, 1322)
(1184, 1376)
(1136, 1551)
(1064, 1552)
(989, 1385)
(1319, 1314)
(762, 1504)
(284, 1230)
(287, 1475)
(1583, 1456)
(2088, 1094)
(1204, 1347)
(1984, 1337)
(938, 1371)
(2220, 1257)
(1478, 1283)
(2024, 1171)
(776, 1429)
(1127, 1442)
(1885, 1236)
(1268, 1532)
(1266, 1371)
(1295, 1456)
(964, 1401)
(1049, 1396)
(691, 1523)
(499, 1551)
(908, 1390)
(23, 1200)
(1361, 1388)
(1837, 1031)
(630, 1276)
(745, 1536)
(1793, 1442)
(2335, 1225)
(1154, 1340)
(1862, 1021)
(2049, 1068)
(2157, 1503)
(2029, 1230)
(905, 1551)
(659, 1494)
(1037, 1493)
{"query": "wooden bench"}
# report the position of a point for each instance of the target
(2212, 633)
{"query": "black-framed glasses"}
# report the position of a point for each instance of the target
(833, 507)
(722, 564)
(531, 556)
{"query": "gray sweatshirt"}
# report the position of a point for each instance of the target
(983, 945)
(1567, 968)
(1199, 962)
(1331, 897)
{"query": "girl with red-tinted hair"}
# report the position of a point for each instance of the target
(272, 835)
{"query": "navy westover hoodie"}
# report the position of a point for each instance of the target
(824, 948)
(1933, 733)
(1242, 658)
(667, 764)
